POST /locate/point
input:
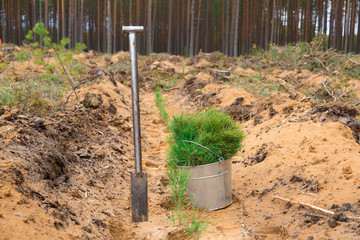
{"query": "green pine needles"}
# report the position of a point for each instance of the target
(211, 128)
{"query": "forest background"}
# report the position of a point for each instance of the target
(184, 27)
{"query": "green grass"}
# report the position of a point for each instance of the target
(21, 56)
(258, 85)
(198, 224)
(7, 96)
(160, 103)
(211, 128)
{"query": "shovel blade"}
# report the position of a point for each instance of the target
(139, 197)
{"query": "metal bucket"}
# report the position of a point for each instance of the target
(210, 185)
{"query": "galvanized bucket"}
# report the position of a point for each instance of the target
(210, 185)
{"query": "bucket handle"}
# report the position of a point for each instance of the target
(220, 157)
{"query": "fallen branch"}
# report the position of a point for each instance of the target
(90, 222)
(169, 89)
(276, 47)
(50, 123)
(289, 88)
(66, 101)
(337, 95)
(327, 90)
(355, 104)
(322, 64)
(311, 206)
(348, 58)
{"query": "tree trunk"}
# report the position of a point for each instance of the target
(207, 26)
(262, 25)
(252, 24)
(121, 24)
(227, 27)
(236, 37)
(153, 26)
(198, 28)
(18, 19)
(272, 22)
(137, 12)
(332, 24)
(246, 25)
(46, 18)
(307, 30)
(347, 18)
(188, 29)
(17, 23)
(267, 24)
(339, 25)
(70, 23)
(98, 27)
(149, 27)
(325, 16)
(63, 27)
(75, 24)
(320, 16)
(28, 18)
(108, 26)
(358, 34)
(114, 27)
(178, 26)
(170, 26)
(81, 21)
(352, 26)
(192, 28)
(34, 17)
(41, 20)
(232, 29)
(130, 12)
(289, 24)
(58, 20)
(222, 26)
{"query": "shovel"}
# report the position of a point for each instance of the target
(139, 192)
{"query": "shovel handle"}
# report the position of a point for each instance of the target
(135, 97)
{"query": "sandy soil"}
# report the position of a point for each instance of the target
(67, 176)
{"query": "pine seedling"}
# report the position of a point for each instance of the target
(197, 225)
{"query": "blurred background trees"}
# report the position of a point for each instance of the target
(185, 26)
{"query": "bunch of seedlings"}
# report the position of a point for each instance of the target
(193, 135)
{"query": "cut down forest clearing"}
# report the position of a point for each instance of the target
(66, 150)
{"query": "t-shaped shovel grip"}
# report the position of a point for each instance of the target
(134, 29)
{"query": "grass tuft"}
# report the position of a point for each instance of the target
(160, 102)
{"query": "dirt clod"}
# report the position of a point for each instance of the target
(92, 100)
(240, 112)
(259, 156)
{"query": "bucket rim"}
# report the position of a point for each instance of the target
(203, 165)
